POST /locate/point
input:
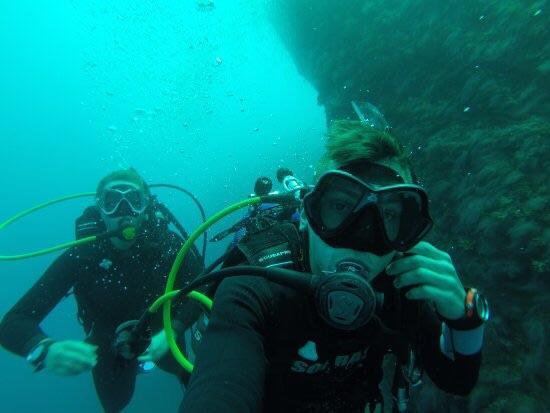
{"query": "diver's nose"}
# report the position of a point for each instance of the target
(123, 209)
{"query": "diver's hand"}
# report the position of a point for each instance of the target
(432, 276)
(157, 348)
(70, 357)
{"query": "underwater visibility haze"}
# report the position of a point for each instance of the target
(212, 94)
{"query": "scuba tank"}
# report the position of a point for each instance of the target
(263, 216)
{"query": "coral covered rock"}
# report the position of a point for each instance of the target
(466, 86)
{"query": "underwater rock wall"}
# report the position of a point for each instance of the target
(441, 61)
(466, 86)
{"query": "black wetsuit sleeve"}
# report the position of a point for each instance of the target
(230, 370)
(457, 375)
(20, 328)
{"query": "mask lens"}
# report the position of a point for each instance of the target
(337, 201)
(402, 215)
(391, 209)
(135, 199)
(110, 201)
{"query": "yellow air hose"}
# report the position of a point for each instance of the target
(166, 300)
(50, 249)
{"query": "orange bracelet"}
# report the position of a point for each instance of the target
(469, 302)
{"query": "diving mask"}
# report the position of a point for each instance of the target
(346, 212)
(111, 199)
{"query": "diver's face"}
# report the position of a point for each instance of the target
(122, 201)
(325, 259)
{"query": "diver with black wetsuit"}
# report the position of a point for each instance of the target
(264, 214)
(113, 281)
(270, 347)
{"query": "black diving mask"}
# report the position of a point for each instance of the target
(346, 212)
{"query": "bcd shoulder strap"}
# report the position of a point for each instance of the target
(277, 246)
(89, 223)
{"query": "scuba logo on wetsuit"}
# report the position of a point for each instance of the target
(345, 361)
(272, 256)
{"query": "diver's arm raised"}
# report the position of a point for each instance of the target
(452, 358)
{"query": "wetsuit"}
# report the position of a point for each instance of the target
(266, 349)
(110, 286)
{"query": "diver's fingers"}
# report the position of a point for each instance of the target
(80, 346)
(428, 250)
(80, 359)
(71, 366)
(423, 276)
(428, 292)
(412, 262)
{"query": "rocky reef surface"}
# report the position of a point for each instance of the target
(466, 86)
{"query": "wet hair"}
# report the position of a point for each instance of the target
(349, 141)
(128, 175)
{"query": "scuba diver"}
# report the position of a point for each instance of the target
(262, 216)
(262, 187)
(380, 289)
(112, 279)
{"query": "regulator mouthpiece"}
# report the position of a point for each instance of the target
(345, 299)
(129, 233)
(128, 229)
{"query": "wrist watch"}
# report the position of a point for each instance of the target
(476, 312)
(38, 353)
